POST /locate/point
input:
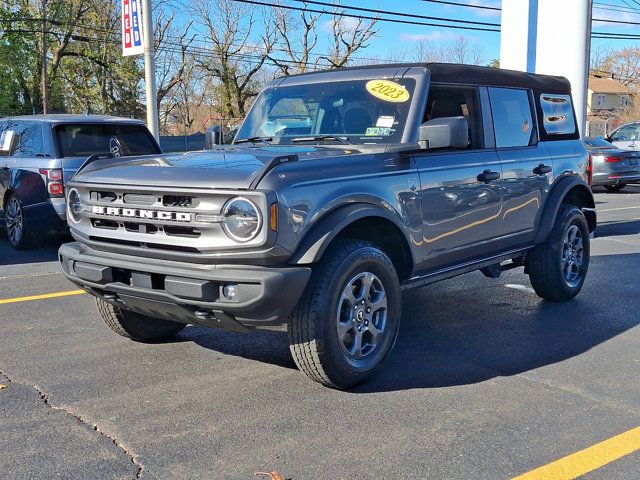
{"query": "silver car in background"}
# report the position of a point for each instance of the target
(611, 167)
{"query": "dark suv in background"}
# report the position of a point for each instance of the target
(40, 153)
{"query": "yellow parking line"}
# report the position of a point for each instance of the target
(41, 297)
(591, 458)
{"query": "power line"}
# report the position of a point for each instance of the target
(398, 14)
(466, 5)
(366, 17)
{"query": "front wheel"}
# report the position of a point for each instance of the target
(346, 322)
(558, 267)
(136, 326)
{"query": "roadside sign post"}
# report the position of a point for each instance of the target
(137, 39)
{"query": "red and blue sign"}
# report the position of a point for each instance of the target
(132, 35)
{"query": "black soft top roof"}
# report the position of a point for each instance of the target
(452, 73)
(475, 75)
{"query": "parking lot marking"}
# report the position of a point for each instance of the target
(582, 462)
(4, 301)
(619, 208)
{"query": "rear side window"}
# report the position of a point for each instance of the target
(557, 112)
(120, 140)
(29, 140)
(512, 118)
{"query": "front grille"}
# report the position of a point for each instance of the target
(177, 201)
(145, 218)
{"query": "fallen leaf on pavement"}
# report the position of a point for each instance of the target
(2, 386)
(270, 475)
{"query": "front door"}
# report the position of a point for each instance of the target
(526, 166)
(460, 189)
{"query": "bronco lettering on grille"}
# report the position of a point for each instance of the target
(140, 213)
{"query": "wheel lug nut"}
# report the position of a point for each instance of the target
(366, 322)
(368, 310)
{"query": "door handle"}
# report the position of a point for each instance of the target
(542, 169)
(488, 176)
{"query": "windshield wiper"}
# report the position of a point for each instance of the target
(319, 138)
(264, 140)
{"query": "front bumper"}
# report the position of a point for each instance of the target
(265, 296)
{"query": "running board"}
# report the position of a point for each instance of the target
(517, 257)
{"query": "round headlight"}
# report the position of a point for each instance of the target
(74, 207)
(242, 220)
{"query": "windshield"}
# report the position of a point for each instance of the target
(120, 140)
(354, 111)
(598, 142)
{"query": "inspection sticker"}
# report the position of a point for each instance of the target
(388, 91)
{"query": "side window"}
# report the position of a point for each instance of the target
(512, 119)
(557, 112)
(29, 140)
(448, 101)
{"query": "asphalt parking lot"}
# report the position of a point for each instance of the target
(486, 382)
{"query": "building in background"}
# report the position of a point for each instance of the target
(609, 104)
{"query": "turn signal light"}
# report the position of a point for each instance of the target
(589, 170)
(273, 217)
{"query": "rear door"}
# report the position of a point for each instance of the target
(526, 166)
(460, 210)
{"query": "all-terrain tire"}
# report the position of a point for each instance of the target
(557, 269)
(136, 326)
(316, 345)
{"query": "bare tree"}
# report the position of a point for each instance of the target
(427, 51)
(298, 34)
(463, 50)
(348, 37)
(623, 65)
(239, 49)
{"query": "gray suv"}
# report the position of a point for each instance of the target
(341, 190)
(40, 153)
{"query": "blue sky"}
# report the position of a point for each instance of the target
(393, 36)
(399, 37)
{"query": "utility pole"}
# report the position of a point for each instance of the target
(44, 88)
(150, 71)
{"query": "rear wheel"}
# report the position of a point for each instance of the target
(558, 267)
(19, 234)
(615, 188)
(135, 325)
(346, 322)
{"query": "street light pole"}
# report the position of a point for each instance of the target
(150, 71)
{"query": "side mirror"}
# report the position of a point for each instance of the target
(212, 137)
(444, 132)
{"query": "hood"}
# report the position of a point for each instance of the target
(229, 167)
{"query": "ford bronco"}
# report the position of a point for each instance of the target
(341, 189)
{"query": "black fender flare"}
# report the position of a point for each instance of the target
(555, 199)
(318, 238)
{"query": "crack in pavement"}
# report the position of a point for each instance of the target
(44, 396)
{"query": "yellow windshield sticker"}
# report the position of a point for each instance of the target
(388, 91)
